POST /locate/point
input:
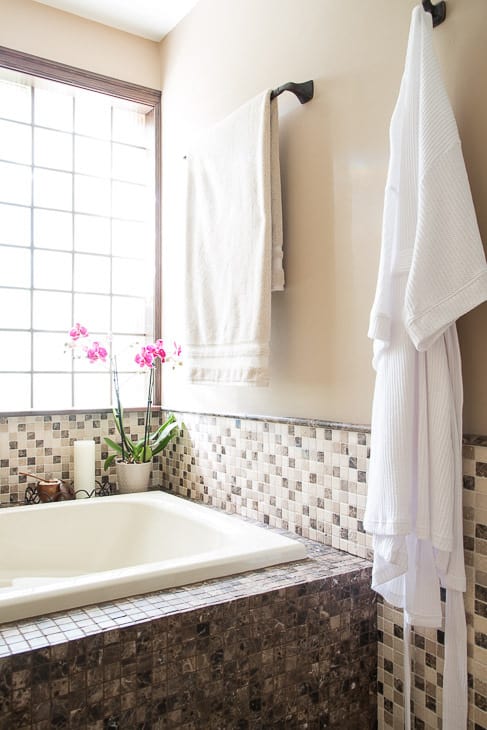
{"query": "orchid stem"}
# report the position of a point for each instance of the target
(119, 407)
(148, 412)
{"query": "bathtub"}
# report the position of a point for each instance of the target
(70, 554)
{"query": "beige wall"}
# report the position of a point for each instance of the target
(334, 154)
(43, 31)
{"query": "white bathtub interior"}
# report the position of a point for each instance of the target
(69, 554)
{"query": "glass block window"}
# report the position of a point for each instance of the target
(77, 240)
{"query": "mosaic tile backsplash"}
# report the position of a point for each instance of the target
(307, 477)
(43, 445)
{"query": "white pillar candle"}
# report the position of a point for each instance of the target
(84, 468)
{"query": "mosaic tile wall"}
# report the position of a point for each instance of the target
(288, 647)
(310, 478)
(304, 476)
(43, 445)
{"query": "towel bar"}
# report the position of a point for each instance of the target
(304, 91)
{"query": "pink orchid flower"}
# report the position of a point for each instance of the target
(78, 331)
(96, 352)
(146, 357)
(160, 351)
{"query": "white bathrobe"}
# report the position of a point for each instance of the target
(432, 270)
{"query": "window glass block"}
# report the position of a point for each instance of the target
(91, 273)
(50, 352)
(53, 229)
(15, 142)
(92, 390)
(130, 163)
(93, 309)
(132, 277)
(129, 314)
(129, 126)
(53, 109)
(15, 308)
(92, 156)
(15, 391)
(53, 189)
(91, 195)
(91, 233)
(53, 149)
(14, 266)
(52, 391)
(14, 225)
(15, 101)
(52, 310)
(52, 270)
(93, 115)
(130, 239)
(15, 349)
(15, 183)
(129, 201)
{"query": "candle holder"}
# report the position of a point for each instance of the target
(36, 495)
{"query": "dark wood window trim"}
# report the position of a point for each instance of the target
(54, 71)
(81, 78)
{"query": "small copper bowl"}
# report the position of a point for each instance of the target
(48, 491)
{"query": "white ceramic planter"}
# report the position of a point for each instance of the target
(133, 477)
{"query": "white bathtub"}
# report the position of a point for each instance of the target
(70, 554)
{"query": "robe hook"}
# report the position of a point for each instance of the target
(438, 11)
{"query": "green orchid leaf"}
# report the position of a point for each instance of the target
(165, 437)
(116, 447)
(155, 436)
(109, 461)
(138, 452)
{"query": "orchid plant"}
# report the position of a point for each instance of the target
(147, 358)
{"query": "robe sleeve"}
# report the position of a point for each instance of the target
(448, 274)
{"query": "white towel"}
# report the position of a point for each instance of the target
(432, 270)
(233, 246)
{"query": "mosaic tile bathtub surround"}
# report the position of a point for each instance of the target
(309, 478)
(289, 647)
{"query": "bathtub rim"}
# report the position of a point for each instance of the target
(30, 602)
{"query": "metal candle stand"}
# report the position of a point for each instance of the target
(32, 494)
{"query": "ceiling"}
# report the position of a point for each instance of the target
(151, 19)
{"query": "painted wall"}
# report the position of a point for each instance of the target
(334, 155)
(43, 31)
